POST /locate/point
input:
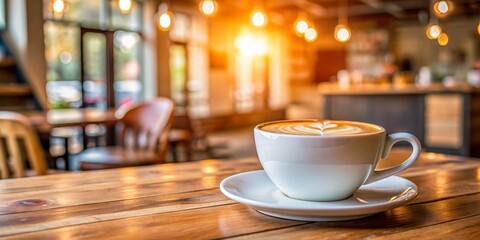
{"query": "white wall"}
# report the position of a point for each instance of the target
(25, 28)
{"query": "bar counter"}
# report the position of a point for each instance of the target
(394, 89)
(183, 201)
(445, 119)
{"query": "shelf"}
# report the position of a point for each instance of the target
(15, 89)
(7, 62)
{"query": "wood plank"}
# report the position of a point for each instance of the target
(237, 220)
(390, 223)
(206, 223)
(466, 228)
(106, 198)
(129, 176)
(91, 213)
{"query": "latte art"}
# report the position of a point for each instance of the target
(318, 128)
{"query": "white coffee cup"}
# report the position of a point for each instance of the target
(326, 160)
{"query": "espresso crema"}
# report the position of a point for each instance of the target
(319, 128)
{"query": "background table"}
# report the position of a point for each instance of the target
(183, 200)
(44, 122)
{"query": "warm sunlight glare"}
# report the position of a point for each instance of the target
(251, 45)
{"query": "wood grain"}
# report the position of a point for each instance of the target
(183, 201)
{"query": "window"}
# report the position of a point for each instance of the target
(189, 64)
(76, 30)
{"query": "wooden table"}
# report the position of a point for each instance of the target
(45, 121)
(183, 201)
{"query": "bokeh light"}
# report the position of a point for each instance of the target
(433, 31)
(58, 6)
(342, 33)
(125, 5)
(301, 26)
(442, 39)
(311, 34)
(258, 18)
(208, 7)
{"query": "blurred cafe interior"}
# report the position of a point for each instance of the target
(203, 73)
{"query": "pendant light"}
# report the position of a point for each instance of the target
(258, 18)
(311, 34)
(442, 39)
(301, 25)
(125, 5)
(433, 31)
(208, 7)
(342, 31)
(164, 17)
(442, 7)
(58, 6)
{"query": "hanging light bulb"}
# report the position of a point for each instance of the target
(125, 5)
(301, 26)
(165, 21)
(442, 39)
(433, 31)
(442, 7)
(58, 6)
(164, 17)
(258, 18)
(342, 33)
(208, 7)
(311, 34)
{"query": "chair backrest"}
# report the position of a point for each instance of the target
(146, 125)
(14, 129)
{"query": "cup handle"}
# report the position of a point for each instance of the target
(391, 140)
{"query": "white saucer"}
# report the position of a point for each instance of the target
(255, 189)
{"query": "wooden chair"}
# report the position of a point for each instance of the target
(143, 138)
(17, 141)
(181, 134)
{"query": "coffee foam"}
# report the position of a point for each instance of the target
(319, 128)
